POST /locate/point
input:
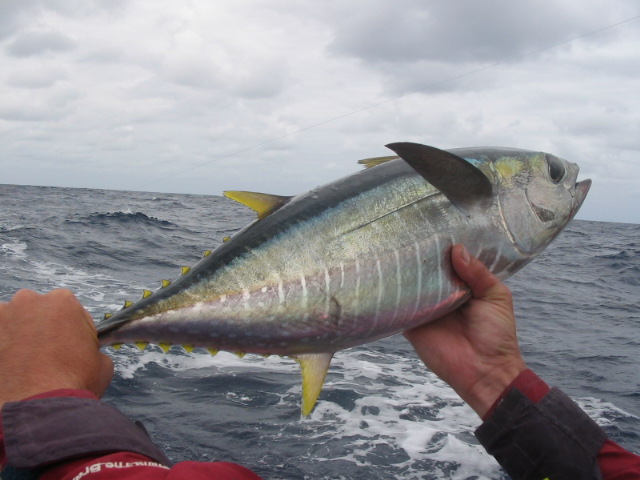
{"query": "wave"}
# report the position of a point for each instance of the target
(122, 217)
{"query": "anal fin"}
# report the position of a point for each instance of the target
(314, 370)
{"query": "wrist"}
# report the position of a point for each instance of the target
(483, 394)
(45, 391)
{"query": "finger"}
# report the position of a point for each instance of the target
(106, 374)
(474, 273)
(24, 296)
(71, 301)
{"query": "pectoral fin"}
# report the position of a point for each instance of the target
(466, 186)
(314, 370)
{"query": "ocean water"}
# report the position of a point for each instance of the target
(381, 414)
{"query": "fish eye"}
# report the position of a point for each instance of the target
(556, 169)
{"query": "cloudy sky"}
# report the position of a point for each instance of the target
(200, 96)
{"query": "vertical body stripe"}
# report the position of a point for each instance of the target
(327, 293)
(418, 279)
(305, 294)
(380, 288)
(396, 254)
(357, 292)
(439, 263)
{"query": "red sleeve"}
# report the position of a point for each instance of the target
(119, 464)
(132, 466)
(615, 462)
(63, 392)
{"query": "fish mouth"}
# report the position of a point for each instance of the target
(581, 190)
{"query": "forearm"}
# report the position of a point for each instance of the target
(536, 432)
(67, 424)
(70, 434)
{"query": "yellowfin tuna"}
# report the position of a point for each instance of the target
(359, 259)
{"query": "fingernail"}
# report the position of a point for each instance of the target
(465, 255)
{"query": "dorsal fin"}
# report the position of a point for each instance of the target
(263, 204)
(466, 186)
(374, 161)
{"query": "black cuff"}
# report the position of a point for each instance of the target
(49, 430)
(553, 438)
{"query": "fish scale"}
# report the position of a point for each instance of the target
(359, 259)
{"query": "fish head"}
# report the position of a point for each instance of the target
(537, 194)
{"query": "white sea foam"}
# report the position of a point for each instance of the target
(397, 405)
(130, 361)
(417, 413)
(14, 251)
(604, 413)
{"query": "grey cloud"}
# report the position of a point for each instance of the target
(34, 43)
(486, 31)
(11, 13)
(74, 8)
(247, 78)
(16, 14)
(36, 77)
(39, 105)
(103, 54)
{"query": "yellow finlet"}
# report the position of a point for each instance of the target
(240, 354)
(262, 203)
(226, 239)
(142, 345)
(185, 270)
(206, 253)
(116, 346)
(314, 370)
(372, 162)
(165, 283)
(107, 316)
(188, 348)
(165, 347)
(127, 303)
(146, 293)
(213, 351)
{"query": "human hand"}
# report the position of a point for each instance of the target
(474, 348)
(49, 342)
